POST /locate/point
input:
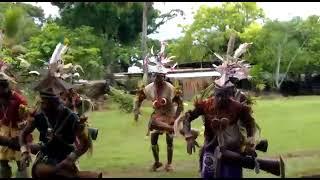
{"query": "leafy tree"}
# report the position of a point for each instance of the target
(211, 29)
(280, 48)
(17, 26)
(84, 48)
(119, 24)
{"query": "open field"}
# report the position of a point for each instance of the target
(291, 125)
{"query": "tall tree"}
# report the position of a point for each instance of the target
(211, 30)
(119, 24)
(146, 6)
(281, 47)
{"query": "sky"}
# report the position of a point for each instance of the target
(170, 30)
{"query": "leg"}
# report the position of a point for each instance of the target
(155, 150)
(230, 170)
(21, 173)
(169, 140)
(208, 166)
(201, 153)
(5, 169)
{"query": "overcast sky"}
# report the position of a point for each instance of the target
(273, 10)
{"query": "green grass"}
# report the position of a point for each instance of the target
(121, 150)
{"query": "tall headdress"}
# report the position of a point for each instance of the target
(159, 63)
(53, 79)
(233, 68)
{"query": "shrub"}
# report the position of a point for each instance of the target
(124, 100)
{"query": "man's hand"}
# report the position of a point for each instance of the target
(250, 146)
(136, 114)
(191, 145)
(25, 160)
(65, 164)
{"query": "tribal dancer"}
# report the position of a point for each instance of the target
(58, 127)
(163, 96)
(11, 104)
(167, 104)
(226, 148)
(63, 137)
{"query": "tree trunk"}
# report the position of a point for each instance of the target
(277, 73)
(144, 39)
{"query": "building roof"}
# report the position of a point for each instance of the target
(193, 74)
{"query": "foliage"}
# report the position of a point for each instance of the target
(280, 48)
(13, 18)
(124, 100)
(118, 24)
(210, 30)
(84, 48)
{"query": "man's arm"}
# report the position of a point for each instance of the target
(247, 120)
(24, 134)
(140, 96)
(189, 116)
(178, 99)
(82, 137)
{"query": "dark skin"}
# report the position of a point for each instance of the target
(5, 93)
(51, 109)
(234, 111)
(159, 81)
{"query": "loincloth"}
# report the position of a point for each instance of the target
(160, 123)
(163, 118)
(5, 152)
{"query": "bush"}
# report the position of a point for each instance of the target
(124, 100)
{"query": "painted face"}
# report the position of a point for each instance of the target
(159, 78)
(49, 105)
(4, 88)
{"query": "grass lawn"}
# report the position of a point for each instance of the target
(291, 126)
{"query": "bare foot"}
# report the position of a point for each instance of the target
(155, 166)
(168, 168)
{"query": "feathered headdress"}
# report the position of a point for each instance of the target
(53, 79)
(233, 67)
(158, 63)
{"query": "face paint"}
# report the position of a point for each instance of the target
(49, 105)
(159, 78)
